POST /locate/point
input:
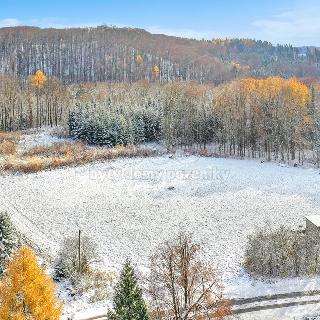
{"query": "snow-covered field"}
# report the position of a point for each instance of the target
(46, 136)
(130, 206)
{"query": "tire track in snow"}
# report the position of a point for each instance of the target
(280, 296)
(274, 306)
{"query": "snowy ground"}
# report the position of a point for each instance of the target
(129, 207)
(304, 312)
(42, 137)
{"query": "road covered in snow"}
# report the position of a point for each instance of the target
(130, 206)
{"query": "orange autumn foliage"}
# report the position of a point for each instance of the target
(270, 114)
(39, 79)
(224, 309)
(156, 70)
(26, 292)
(290, 94)
(139, 58)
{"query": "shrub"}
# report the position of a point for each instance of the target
(84, 278)
(100, 283)
(69, 265)
(281, 253)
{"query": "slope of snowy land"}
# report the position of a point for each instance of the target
(130, 206)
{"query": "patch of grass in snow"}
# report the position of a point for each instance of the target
(67, 154)
(10, 136)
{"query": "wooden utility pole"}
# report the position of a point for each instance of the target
(79, 251)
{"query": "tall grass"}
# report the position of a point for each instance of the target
(68, 154)
(8, 142)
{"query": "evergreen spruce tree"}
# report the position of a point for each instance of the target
(138, 127)
(8, 240)
(128, 300)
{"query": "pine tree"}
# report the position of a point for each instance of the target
(128, 300)
(8, 240)
(26, 292)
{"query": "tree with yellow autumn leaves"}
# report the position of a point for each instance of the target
(26, 292)
(39, 79)
(156, 71)
(264, 117)
(139, 58)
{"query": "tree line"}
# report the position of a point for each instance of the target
(36, 102)
(272, 118)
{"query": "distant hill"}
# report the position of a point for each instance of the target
(123, 54)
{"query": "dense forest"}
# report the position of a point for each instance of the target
(123, 54)
(272, 118)
(119, 86)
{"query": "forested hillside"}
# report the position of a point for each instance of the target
(113, 86)
(123, 54)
